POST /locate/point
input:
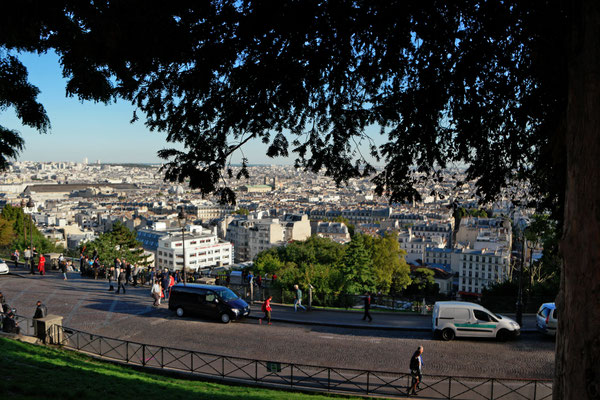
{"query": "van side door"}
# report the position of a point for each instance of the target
(212, 304)
(463, 321)
(485, 325)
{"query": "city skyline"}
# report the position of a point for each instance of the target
(99, 131)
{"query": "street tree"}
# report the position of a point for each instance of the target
(508, 88)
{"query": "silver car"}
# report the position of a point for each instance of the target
(3, 267)
(547, 319)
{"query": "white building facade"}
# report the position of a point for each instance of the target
(202, 250)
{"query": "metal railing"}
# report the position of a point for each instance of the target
(300, 376)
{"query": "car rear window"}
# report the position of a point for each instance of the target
(555, 314)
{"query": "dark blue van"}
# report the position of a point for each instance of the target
(207, 301)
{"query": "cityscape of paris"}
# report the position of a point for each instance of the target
(300, 199)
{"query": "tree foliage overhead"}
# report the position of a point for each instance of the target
(462, 81)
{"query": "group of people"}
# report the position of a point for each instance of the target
(123, 273)
(31, 255)
(162, 284)
(9, 323)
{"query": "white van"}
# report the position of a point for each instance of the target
(461, 319)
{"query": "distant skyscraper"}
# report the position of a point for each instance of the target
(85, 160)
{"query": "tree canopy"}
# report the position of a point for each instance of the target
(465, 81)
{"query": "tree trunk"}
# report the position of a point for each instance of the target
(577, 374)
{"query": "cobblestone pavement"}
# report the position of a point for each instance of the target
(86, 305)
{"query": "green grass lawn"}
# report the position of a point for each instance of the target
(33, 372)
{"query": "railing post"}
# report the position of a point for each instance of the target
(449, 387)
(534, 390)
(144, 355)
(162, 357)
(492, 394)
(223, 366)
(191, 361)
(78, 341)
(100, 346)
(368, 376)
(255, 371)
(328, 379)
(292, 375)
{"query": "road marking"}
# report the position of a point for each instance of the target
(109, 313)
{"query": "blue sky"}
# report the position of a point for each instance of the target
(95, 131)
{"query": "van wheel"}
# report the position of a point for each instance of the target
(502, 335)
(225, 318)
(179, 311)
(447, 334)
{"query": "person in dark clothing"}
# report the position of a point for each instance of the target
(121, 281)
(367, 300)
(3, 306)
(111, 277)
(41, 311)
(165, 283)
(9, 325)
(127, 273)
(416, 370)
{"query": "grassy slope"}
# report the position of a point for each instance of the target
(33, 372)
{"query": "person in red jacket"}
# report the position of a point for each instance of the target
(42, 265)
(266, 308)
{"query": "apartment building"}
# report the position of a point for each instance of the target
(202, 250)
(429, 230)
(415, 246)
(336, 231)
(478, 269)
(253, 235)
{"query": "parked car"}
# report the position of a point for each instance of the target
(3, 267)
(207, 300)
(452, 319)
(547, 319)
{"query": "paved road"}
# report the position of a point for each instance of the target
(86, 305)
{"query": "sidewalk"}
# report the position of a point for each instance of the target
(353, 319)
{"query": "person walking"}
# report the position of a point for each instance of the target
(63, 268)
(121, 281)
(42, 265)
(165, 283)
(416, 370)
(367, 300)
(155, 293)
(128, 273)
(298, 299)
(27, 256)
(15, 257)
(266, 308)
(111, 275)
(3, 306)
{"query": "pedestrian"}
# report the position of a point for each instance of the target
(127, 273)
(15, 257)
(40, 312)
(82, 262)
(416, 370)
(135, 273)
(34, 255)
(155, 293)
(298, 299)
(96, 267)
(111, 276)
(266, 308)
(121, 281)
(171, 283)
(3, 306)
(27, 257)
(63, 267)
(42, 265)
(9, 325)
(165, 283)
(258, 281)
(367, 300)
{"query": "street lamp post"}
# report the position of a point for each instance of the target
(182, 219)
(30, 204)
(520, 291)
